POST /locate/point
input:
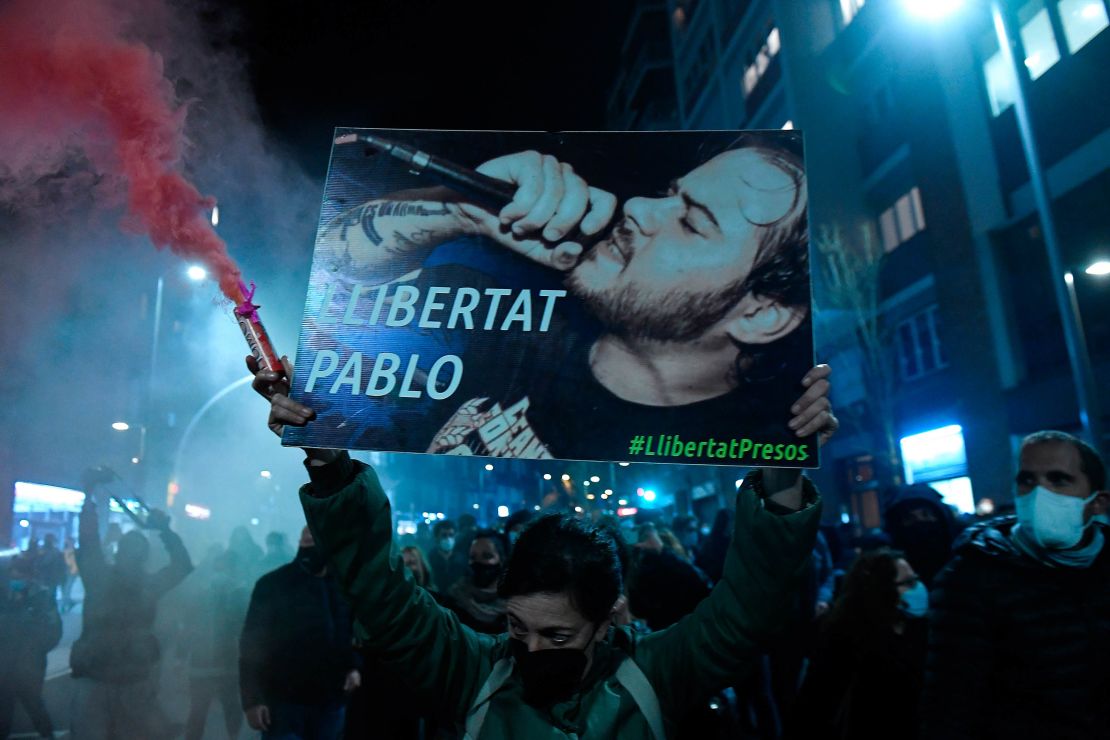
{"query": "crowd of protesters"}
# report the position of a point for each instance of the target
(936, 626)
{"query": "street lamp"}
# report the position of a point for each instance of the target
(1062, 280)
(123, 426)
(1100, 268)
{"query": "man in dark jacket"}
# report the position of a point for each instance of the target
(1020, 621)
(116, 654)
(296, 654)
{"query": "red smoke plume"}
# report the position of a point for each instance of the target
(71, 79)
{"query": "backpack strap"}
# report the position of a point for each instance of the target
(632, 678)
(476, 717)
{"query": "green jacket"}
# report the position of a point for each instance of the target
(446, 664)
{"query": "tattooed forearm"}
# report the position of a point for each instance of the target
(419, 239)
(395, 209)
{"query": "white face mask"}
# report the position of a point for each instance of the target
(447, 544)
(1054, 520)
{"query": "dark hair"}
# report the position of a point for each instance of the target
(780, 270)
(523, 516)
(441, 525)
(496, 538)
(868, 603)
(1090, 462)
(559, 554)
(781, 266)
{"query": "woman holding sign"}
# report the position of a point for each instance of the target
(564, 669)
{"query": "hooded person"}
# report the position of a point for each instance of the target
(923, 528)
(473, 597)
(297, 663)
(1020, 619)
(115, 658)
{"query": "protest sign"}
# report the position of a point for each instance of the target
(637, 297)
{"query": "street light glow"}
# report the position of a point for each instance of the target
(489, 467)
(215, 215)
(120, 426)
(595, 479)
(266, 474)
(547, 476)
(566, 476)
(1102, 267)
(196, 273)
(932, 9)
(1069, 278)
(624, 465)
(134, 461)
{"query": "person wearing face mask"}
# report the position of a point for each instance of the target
(923, 528)
(297, 662)
(446, 567)
(864, 680)
(564, 670)
(473, 597)
(1020, 619)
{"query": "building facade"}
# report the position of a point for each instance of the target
(913, 150)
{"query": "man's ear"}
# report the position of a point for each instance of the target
(761, 320)
(1101, 504)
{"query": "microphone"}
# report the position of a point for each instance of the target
(487, 191)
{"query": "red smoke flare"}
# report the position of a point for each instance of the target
(69, 78)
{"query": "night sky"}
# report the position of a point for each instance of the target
(427, 64)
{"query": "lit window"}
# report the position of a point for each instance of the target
(849, 8)
(902, 220)
(754, 71)
(1041, 51)
(1082, 21)
(1001, 85)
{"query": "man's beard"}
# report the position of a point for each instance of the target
(629, 312)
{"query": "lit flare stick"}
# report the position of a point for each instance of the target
(246, 313)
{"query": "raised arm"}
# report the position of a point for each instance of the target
(351, 520)
(90, 555)
(390, 237)
(777, 516)
(721, 640)
(180, 565)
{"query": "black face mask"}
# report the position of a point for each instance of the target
(549, 676)
(311, 559)
(484, 574)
